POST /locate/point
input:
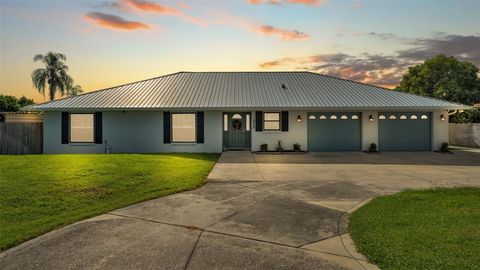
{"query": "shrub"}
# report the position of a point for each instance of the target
(279, 147)
(444, 147)
(264, 147)
(372, 148)
(297, 147)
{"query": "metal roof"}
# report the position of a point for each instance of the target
(244, 90)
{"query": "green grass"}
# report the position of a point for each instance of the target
(41, 192)
(424, 229)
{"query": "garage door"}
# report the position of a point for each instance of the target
(334, 131)
(404, 131)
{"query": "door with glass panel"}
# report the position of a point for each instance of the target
(236, 130)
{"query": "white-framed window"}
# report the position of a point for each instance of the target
(413, 117)
(354, 117)
(184, 128)
(333, 117)
(312, 117)
(392, 117)
(424, 117)
(271, 121)
(344, 117)
(82, 127)
(225, 122)
(322, 117)
(403, 117)
(381, 117)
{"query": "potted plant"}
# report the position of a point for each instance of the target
(372, 148)
(264, 147)
(279, 147)
(444, 147)
(297, 147)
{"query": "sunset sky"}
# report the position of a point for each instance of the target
(108, 43)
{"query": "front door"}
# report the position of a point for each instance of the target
(236, 130)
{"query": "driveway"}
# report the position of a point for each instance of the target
(255, 212)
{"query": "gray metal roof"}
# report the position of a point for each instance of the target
(244, 90)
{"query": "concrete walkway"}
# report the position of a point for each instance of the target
(256, 212)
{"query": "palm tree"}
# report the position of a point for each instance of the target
(74, 90)
(54, 74)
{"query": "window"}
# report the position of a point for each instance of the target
(271, 121)
(322, 117)
(225, 122)
(81, 127)
(344, 117)
(183, 127)
(413, 117)
(354, 117)
(381, 117)
(247, 122)
(333, 117)
(312, 117)
(403, 117)
(237, 122)
(392, 117)
(423, 117)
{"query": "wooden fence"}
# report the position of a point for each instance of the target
(464, 134)
(21, 138)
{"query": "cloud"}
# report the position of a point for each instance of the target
(462, 47)
(384, 70)
(150, 6)
(283, 34)
(279, 62)
(278, 2)
(114, 22)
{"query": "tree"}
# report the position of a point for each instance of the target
(54, 74)
(8, 104)
(445, 78)
(74, 90)
(24, 101)
(12, 104)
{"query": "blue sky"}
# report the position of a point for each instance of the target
(118, 41)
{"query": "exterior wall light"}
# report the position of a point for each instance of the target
(299, 118)
(442, 117)
(370, 118)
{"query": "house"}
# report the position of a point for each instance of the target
(215, 111)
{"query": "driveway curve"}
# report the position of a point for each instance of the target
(255, 212)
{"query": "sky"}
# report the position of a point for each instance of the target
(112, 42)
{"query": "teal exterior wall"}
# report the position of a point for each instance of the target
(334, 134)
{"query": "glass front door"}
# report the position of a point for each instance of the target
(236, 130)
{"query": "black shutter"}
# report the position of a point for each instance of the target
(258, 121)
(200, 127)
(284, 121)
(166, 127)
(98, 128)
(65, 127)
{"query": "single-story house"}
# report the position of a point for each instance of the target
(217, 111)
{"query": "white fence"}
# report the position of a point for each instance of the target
(464, 134)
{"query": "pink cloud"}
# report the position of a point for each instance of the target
(283, 34)
(114, 22)
(150, 6)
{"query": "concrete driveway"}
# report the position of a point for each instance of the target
(255, 212)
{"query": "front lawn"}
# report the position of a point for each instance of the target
(420, 229)
(41, 192)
